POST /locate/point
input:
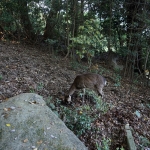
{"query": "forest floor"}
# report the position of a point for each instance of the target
(29, 69)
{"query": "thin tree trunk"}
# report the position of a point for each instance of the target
(82, 12)
(110, 15)
(73, 27)
(28, 29)
(67, 31)
(51, 21)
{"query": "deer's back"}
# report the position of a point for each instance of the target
(89, 81)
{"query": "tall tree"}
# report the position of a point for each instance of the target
(52, 19)
(25, 21)
(135, 27)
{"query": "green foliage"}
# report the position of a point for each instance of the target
(9, 18)
(53, 104)
(76, 120)
(80, 119)
(117, 80)
(148, 105)
(76, 65)
(89, 40)
(32, 90)
(120, 148)
(99, 103)
(40, 86)
(105, 144)
(100, 28)
(37, 18)
(1, 77)
(144, 143)
(51, 41)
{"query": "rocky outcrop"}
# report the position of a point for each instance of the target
(27, 123)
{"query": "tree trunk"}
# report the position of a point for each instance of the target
(25, 21)
(134, 29)
(82, 13)
(51, 21)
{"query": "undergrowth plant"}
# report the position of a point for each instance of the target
(32, 90)
(1, 77)
(117, 80)
(40, 86)
(99, 103)
(144, 143)
(105, 144)
(79, 119)
(76, 120)
(76, 65)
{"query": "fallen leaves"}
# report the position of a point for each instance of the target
(39, 142)
(9, 109)
(25, 141)
(8, 125)
(25, 71)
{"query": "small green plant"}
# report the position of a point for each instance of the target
(135, 81)
(117, 80)
(1, 77)
(104, 145)
(53, 104)
(148, 105)
(75, 64)
(76, 120)
(48, 100)
(79, 119)
(144, 143)
(51, 41)
(86, 108)
(40, 86)
(100, 104)
(120, 148)
(32, 90)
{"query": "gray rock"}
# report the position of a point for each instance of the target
(26, 123)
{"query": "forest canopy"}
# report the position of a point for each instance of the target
(82, 27)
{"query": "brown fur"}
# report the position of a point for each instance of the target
(90, 80)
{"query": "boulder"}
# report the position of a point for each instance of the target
(27, 123)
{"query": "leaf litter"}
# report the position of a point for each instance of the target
(28, 69)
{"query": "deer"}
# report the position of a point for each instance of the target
(89, 80)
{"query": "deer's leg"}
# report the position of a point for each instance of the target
(83, 97)
(100, 91)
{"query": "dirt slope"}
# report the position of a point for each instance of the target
(28, 69)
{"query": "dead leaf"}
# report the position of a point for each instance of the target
(5, 109)
(34, 102)
(8, 125)
(25, 141)
(40, 142)
(5, 115)
(8, 109)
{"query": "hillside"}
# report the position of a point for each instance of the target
(29, 69)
